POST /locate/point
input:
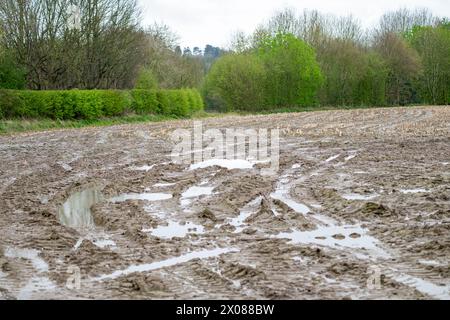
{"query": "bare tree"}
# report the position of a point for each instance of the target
(104, 53)
(404, 19)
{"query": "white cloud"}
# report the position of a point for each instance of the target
(199, 22)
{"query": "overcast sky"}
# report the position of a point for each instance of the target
(201, 22)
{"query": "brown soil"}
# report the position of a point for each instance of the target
(386, 156)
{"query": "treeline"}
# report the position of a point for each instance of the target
(313, 59)
(98, 44)
(291, 60)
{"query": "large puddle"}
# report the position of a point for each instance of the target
(76, 211)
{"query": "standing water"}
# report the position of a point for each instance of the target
(76, 211)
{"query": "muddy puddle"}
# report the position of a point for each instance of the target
(76, 211)
(142, 196)
(359, 197)
(223, 163)
(205, 254)
(175, 230)
(335, 237)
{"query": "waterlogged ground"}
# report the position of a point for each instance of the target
(360, 209)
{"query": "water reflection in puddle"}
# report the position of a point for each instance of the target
(426, 287)
(195, 192)
(335, 236)
(76, 211)
(175, 229)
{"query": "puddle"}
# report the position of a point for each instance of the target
(195, 192)
(36, 285)
(246, 212)
(423, 286)
(433, 263)
(205, 254)
(29, 254)
(76, 211)
(175, 229)
(359, 197)
(78, 244)
(101, 241)
(142, 196)
(333, 158)
(104, 243)
(324, 236)
(223, 163)
(413, 191)
(143, 168)
(164, 185)
(282, 195)
(66, 167)
(351, 157)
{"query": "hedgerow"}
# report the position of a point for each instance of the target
(95, 104)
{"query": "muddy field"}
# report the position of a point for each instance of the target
(360, 209)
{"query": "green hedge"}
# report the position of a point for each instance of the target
(94, 104)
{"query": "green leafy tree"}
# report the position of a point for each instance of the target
(12, 76)
(354, 75)
(293, 74)
(236, 82)
(433, 45)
